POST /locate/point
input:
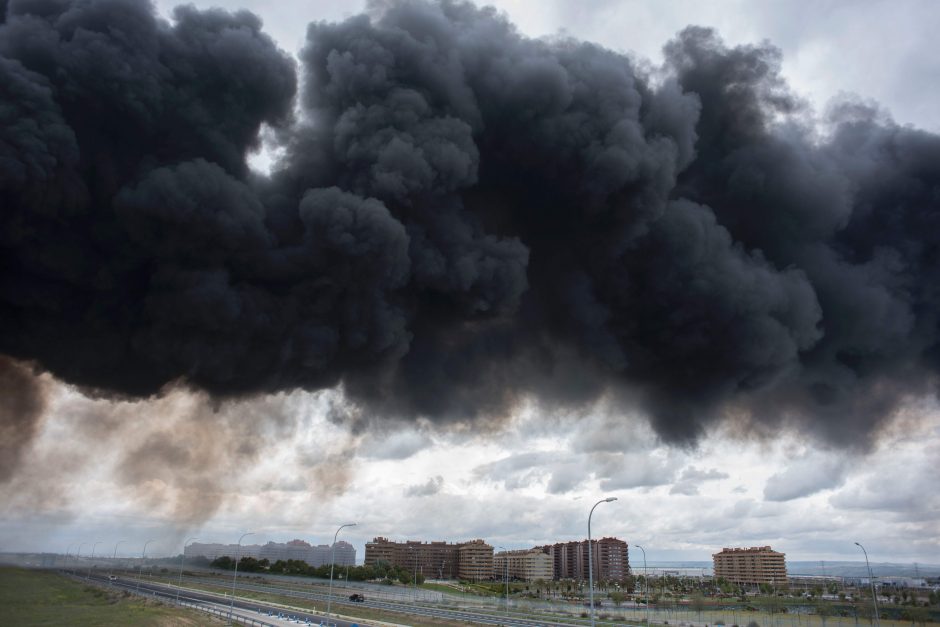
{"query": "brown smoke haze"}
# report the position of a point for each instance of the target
(178, 458)
(21, 408)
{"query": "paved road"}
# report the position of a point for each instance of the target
(268, 613)
(393, 608)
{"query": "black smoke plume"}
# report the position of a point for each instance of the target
(462, 217)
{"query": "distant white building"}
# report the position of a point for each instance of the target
(273, 551)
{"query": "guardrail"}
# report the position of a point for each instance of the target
(235, 618)
(196, 605)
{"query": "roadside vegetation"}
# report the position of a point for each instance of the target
(37, 597)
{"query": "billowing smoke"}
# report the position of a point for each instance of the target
(462, 217)
(21, 409)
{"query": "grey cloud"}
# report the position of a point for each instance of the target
(431, 487)
(637, 471)
(806, 476)
(566, 477)
(561, 473)
(692, 477)
(515, 471)
(396, 445)
(904, 489)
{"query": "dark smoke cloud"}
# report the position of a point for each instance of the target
(462, 218)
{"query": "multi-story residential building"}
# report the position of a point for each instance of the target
(475, 560)
(527, 565)
(611, 559)
(467, 560)
(215, 551)
(345, 553)
(293, 550)
(754, 565)
(431, 559)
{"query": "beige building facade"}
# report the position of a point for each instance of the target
(474, 560)
(525, 565)
(471, 560)
(751, 566)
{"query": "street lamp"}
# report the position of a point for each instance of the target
(78, 554)
(871, 580)
(231, 607)
(94, 546)
(179, 584)
(414, 589)
(143, 555)
(329, 597)
(113, 557)
(590, 558)
(506, 575)
(646, 583)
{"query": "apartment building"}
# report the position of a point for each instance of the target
(345, 553)
(525, 565)
(471, 560)
(751, 566)
(611, 559)
(475, 560)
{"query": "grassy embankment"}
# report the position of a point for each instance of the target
(36, 597)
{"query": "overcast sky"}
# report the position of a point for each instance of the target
(534, 479)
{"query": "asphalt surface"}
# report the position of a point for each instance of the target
(268, 613)
(398, 609)
(260, 611)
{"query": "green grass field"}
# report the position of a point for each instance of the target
(35, 597)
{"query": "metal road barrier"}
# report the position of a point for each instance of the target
(235, 618)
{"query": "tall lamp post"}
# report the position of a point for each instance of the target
(414, 589)
(179, 583)
(871, 580)
(506, 575)
(93, 547)
(143, 555)
(113, 557)
(78, 554)
(231, 606)
(329, 596)
(590, 557)
(646, 584)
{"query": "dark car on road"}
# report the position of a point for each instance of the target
(357, 598)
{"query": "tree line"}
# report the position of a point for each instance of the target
(381, 571)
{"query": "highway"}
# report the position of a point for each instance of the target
(396, 611)
(268, 614)
(393, 608)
